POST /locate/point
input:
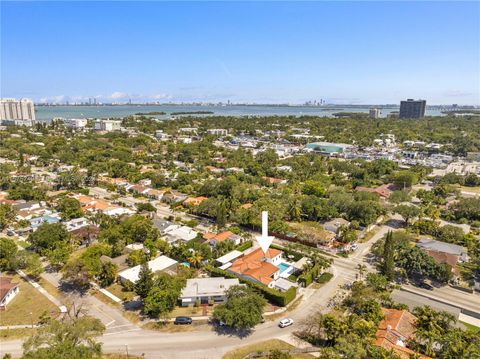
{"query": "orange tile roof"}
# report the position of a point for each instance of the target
(246, 206)
(195, 200)
(273, 180)
(254, 266)
(84, 199)
(209, 235)
(397, 325)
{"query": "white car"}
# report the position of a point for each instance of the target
(285, 322)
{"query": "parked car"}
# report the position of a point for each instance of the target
(285, 322)
(354, 247)
(425, 286)
(183, 320)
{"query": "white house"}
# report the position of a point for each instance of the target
(206, 289)
(162, 263)
(177, 232)
(76, 223)
(8, 291)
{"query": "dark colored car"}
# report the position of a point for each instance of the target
(183, 320)
(425, 286)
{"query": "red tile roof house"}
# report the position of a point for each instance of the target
(383, 191)
(443, 252)
(273, 180)
(258, 266)
(194, 201)
(213, 239)
(8, 291)
(397, 327)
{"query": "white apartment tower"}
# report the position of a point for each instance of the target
(17, 112)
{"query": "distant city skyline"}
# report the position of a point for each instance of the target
(342, 52)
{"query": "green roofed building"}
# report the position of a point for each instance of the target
(327, 147)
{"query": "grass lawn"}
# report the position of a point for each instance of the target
(172, 328)
(11, 334)
(27, 301)
(241, 352)
(119, 291)
(190, 311)
(470, 189)
(471, 327)
(293, 305)
(51, 289)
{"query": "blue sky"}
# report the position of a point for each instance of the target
(269, 52)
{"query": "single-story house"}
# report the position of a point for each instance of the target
(8, 291)
(394, 331)
(443, 252)
(174, 197)
(86, 234)
(228, 258)
(155, 194)
(206, 289)
(162, 225)
(214, 239)
(120, 261)
(335, 224)
(47, 218)
(76, 223)
(383, 191)
(194, 201)
(182, 233)
(162, 263)
(283, 284)
(273, 180)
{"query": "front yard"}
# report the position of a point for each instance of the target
(27, 307)
(265, 346)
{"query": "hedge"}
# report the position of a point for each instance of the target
(272, 295)
(308, 276)
(244, 246)
(296, 255)
(325, 277)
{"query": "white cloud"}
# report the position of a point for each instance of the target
(161, 96)
(117, 95)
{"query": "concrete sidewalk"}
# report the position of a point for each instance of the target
(61, 307)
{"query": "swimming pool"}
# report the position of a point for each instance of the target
(283, 267)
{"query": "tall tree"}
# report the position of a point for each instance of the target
(68, 338)
(145, 281)
(388, 265)
(242, 309)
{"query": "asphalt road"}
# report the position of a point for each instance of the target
(206, 343)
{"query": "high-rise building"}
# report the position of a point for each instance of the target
(17, 112)
(374, 113)
(412, 108)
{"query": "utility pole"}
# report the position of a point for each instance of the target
(126, 349)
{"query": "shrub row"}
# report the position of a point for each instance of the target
(272, 295)
(307, 277)
(244, 246)
(325, 277)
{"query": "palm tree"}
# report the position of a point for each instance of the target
(362, 268)
(294, 209)
(195, 258)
